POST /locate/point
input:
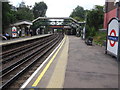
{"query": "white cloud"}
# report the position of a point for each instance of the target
(62, 8)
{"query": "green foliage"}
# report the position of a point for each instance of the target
(9, 16)
(95, 17)
(39, 9)
(78, 13)
(94, 20)
(5, 14)
(24, 13)
(94, 23)
(90, 31)
(22, 4)
(100, 37)
(66, 22)
(39, 23)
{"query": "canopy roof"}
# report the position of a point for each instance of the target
(23, 23)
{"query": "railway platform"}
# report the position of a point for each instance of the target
(11, 41)
(73, 64)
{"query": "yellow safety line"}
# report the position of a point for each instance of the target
(47, 66)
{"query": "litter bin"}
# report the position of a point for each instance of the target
(89, 41)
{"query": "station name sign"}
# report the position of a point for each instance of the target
(113, 41)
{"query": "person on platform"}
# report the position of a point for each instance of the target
(31, 32)
(7, 36)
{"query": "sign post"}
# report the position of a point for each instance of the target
(118, 57)
(113, 38)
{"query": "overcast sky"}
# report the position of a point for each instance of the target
(61, 8)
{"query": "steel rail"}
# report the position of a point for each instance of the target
(7, 53)
(9, 82)
(22, 59)
(25, 50)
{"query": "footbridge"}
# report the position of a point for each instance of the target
(51, 24)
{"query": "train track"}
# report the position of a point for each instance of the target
(22, 60)
(10, 54)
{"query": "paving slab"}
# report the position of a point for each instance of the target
(5, 42)
(89, 67)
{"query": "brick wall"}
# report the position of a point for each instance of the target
(110, 12)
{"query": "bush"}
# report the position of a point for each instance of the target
(91, 31)
(100, 37)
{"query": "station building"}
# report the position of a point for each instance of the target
(22, 28)
(112, 9)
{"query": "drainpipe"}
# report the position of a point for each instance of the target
(118, 11)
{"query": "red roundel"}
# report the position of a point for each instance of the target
(114, 33)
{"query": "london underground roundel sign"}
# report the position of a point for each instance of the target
(112, 38)
(113, 33)
(14, 29)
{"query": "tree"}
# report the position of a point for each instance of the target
(7, 15)
(22, 4)
(10, 16)
(24, 12)
(95, 17)
(39, 9)
(78, 13)
(94, 20)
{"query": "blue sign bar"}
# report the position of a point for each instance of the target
(113, 38)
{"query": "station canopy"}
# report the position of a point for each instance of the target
(23, 23)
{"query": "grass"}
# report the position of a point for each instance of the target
(99, 38)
